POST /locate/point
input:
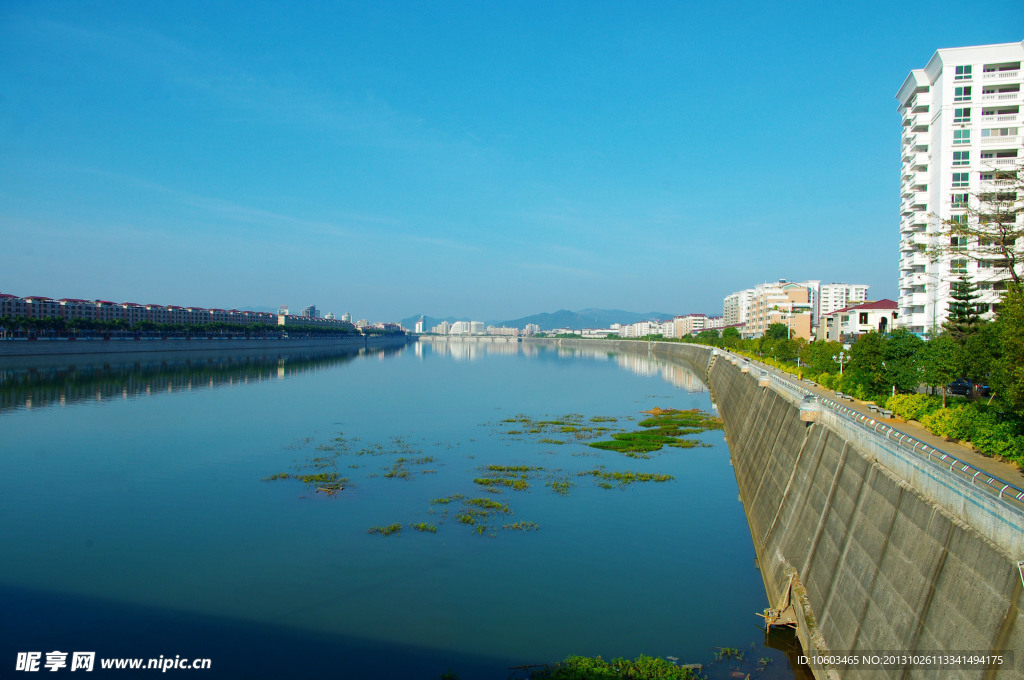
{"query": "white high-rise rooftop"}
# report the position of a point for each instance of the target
(961, 123)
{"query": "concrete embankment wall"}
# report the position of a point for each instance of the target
(876, 564)
(52, 352)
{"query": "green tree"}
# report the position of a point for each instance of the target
(817, 356)
(865, 369)
(964, 316)
(777, 331)
(730, 336)
(708, 335)
(941, 359)
(981, 351)
(785, 350)
(1009, 367)
(901, 356)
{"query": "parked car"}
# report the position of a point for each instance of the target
(960, 386)
(964, 387)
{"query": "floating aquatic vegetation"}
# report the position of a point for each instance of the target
(389, 530)
(487, 504)
(665, 427)
(641, 668)
(446, 500)
(625, 478)
(560, 486)
(659, 428)
(327, 482)
(498, 477)
(521, 526)
(300, 443)
(400, 468)
(725, 653)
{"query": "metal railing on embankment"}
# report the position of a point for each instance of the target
(1006, 492)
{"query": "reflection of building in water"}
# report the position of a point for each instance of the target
(649, 366)
(683, 378)
(503, 348)
(639, 364)
(33, 388)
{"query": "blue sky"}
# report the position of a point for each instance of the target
(478, 159)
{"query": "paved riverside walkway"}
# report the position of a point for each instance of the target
(1006, 471)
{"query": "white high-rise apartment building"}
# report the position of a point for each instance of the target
(736, 306)
(824, 298)
(961, 122)
(835, 296)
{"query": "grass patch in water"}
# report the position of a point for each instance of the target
(446, 500)
(560, 486)
(625, 478)
(593, 668)
(389, 530)
(521, 526)
(487, 504)
(664, 427)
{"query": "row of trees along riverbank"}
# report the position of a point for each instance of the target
(910, 375)
(59, 328)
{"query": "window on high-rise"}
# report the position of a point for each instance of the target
(962, 115)
(961, 158)
(961, 136)
(963, 73)
(958, 200)
(961, 180)
(1000, 132)
(958, 266)
(962, 94)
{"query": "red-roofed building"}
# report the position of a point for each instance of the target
(11, 305)
(844, 325)
(73, 308)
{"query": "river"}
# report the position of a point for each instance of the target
(137, 520)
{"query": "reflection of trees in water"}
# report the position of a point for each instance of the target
(33, 388)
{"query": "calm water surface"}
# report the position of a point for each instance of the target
(134, 520)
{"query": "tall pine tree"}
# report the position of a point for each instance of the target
(964, 317)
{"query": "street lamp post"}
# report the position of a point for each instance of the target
(842, 359)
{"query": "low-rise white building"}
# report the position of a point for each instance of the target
(844, 325)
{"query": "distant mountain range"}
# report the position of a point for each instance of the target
(585, 318)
